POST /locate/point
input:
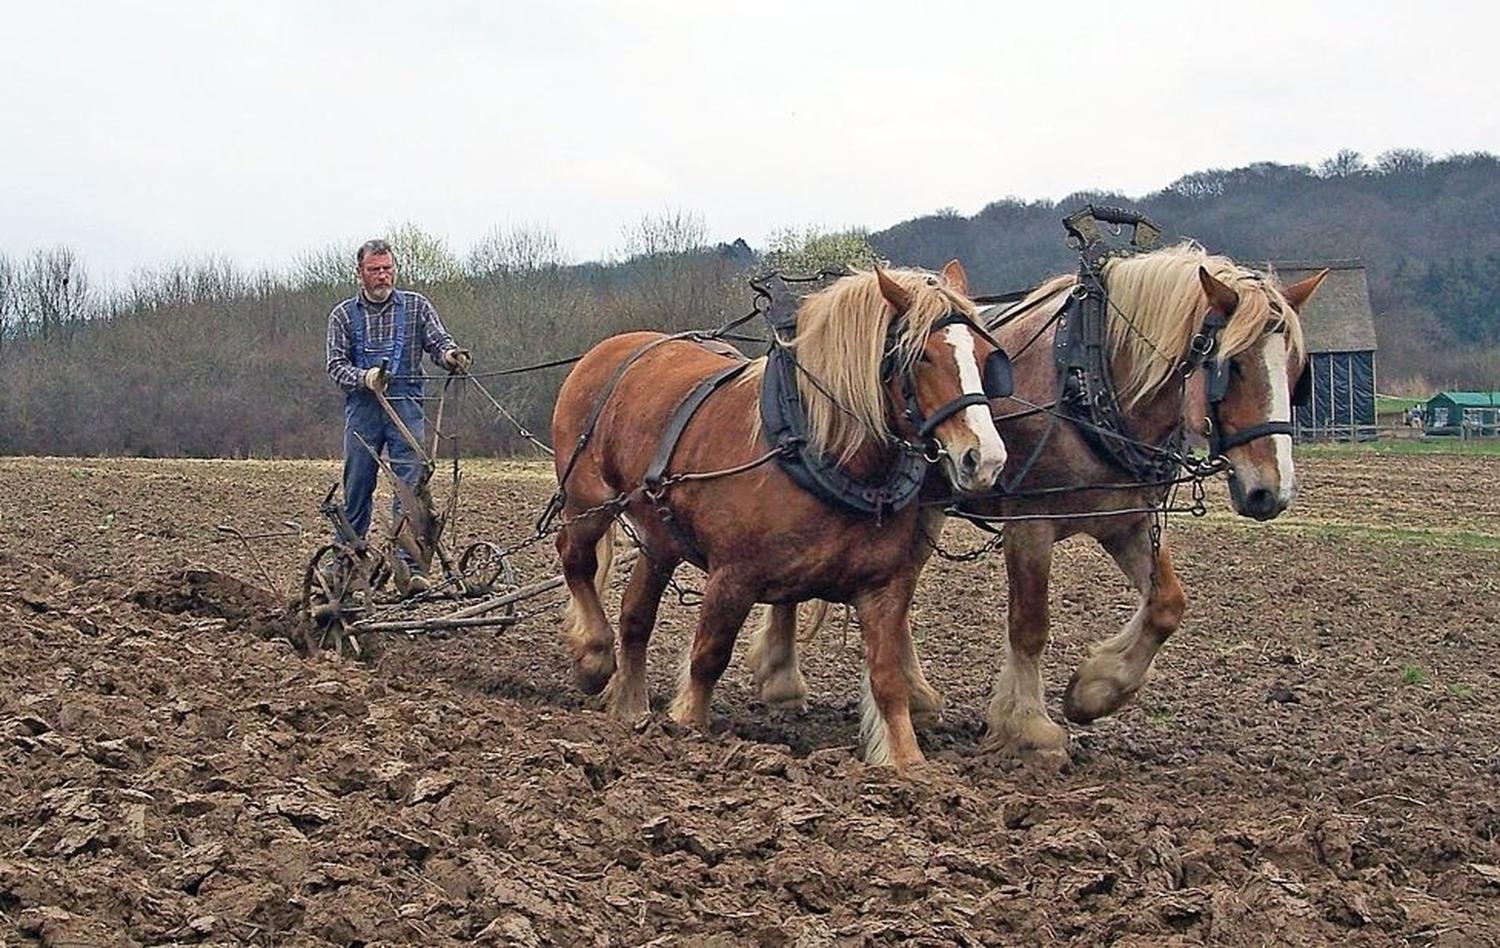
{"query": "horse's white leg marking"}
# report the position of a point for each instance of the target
(773, 659)
(1117, 667)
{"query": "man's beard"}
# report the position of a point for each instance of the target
(378, 295)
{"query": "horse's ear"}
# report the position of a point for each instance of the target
(894, 293)
(1220, 297)
(1301, 291)
(955, 277)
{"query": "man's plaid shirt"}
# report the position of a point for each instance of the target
(424, 333)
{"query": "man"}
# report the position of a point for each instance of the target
(383, 326)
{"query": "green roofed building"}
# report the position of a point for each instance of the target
(1450, 413)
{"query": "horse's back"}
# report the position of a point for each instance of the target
(630, 385)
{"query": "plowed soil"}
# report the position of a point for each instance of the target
(1316, 759)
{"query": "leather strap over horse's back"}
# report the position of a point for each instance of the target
(1086, 387)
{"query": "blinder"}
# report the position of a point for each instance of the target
(997, 380)
(1302, 391)
(1218, 371)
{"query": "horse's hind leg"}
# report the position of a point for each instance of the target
(1116, 667)
(1017, 720)
(926, 701)
(627, 698)
(726, 603)
(886, 733)
(586, 551)
(773, 659)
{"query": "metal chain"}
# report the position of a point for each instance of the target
(967, 556)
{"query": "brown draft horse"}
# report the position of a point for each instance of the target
(860, 344)
(1158, 304)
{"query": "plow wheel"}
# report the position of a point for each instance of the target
(486, 571)
(336, 589)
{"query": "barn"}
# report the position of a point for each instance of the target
(1340, 329)
(1452, 413)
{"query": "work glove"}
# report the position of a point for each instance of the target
(458, 360)
(374, 379)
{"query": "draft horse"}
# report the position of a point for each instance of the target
(888, 363)
(1195, 343)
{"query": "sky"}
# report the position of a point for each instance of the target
(145, 133)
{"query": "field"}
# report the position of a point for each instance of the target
(1316, 759)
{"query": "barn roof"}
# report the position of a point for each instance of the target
(1470, 399)
(1338, 318)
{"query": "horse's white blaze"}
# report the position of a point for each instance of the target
(991, 448)
(1273, 351)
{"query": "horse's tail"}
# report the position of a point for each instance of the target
(820, 610)
(605, 549)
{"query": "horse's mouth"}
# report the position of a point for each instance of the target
(1259, 503)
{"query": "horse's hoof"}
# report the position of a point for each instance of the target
(629, 710)
(1030, 739)
(783, 695)
(593, 671)
(1088, 699)
(926, 719)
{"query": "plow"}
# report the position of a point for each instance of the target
(410, 579)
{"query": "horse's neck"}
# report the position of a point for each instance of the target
(871, 460)
(1154, 418)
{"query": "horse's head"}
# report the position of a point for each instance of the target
(944, 369)
(1249, 369)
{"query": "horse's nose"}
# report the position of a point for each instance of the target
(1263, 504)
(968, 465)
(975, 472)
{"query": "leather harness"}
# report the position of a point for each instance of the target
(1085, 380)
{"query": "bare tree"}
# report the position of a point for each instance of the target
(1402, 160)
(54, 291)
(1345, 164)
(516, 251)
(9, 323)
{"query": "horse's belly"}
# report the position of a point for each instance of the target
(834, 569)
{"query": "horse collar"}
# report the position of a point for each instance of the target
(784, 419)
(1086, 382)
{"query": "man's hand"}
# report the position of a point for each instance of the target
(374, 379)
(458, 360)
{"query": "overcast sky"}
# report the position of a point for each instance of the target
(140, 133)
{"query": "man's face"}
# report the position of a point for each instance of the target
(377, 275)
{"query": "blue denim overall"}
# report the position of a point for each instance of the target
(363, 414)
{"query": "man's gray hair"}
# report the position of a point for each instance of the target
(376, 246)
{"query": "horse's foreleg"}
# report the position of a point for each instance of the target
(1017, 720)
(586, 551)
(1116, 667)
(773, 659)
(627, 697)
(726, 603)
(885, 731)
(926, 701)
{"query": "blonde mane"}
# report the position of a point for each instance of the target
(840, 345)
(1157, 304)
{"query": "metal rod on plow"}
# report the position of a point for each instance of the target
(432, 625)
(463, 617)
